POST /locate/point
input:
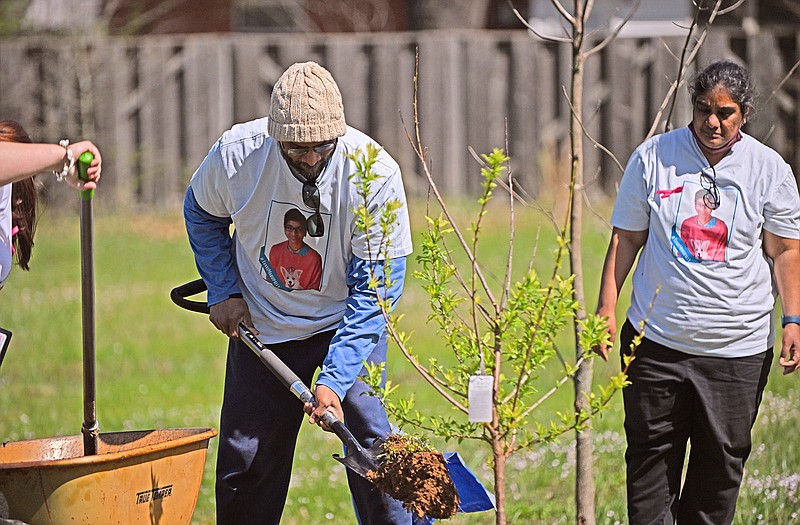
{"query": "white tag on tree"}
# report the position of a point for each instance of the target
(480, 399)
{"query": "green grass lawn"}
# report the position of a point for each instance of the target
(159, 366)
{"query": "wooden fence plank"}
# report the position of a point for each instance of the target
(175, 176)
(123, 68)
(349, 64)
(247, 58)
(441, 98)
(103, 101)
(486, 104)
(152, 121)
(594, 93)
(523, 132)
(391, 108)
(157, 103)
(204, 72)
(14, 105)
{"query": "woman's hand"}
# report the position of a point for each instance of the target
(790, 348)
(78, 149)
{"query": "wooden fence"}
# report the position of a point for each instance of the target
(155, 104)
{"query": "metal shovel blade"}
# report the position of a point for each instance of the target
(362, 460)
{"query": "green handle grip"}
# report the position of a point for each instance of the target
(84, 161)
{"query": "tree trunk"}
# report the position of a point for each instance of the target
(584, 467)
(499, 480)
(584, 453)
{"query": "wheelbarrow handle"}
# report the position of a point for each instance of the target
(179, 296)
(284, 374)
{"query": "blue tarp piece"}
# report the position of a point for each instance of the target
(472, 495)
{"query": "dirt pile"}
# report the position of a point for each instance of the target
(416, 475)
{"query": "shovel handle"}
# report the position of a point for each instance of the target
(276, 366)
(284, 374)
(295, 385)
(84, 161)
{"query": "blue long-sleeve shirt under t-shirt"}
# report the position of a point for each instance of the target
(362, 324)
(212, 245)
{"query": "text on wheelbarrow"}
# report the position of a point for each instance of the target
(153, 494)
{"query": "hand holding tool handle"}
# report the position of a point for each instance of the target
(284, 374)
(290, 380)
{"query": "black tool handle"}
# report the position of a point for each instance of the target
(179, 296)
(90, 428)
(290, 380)
(284, 374)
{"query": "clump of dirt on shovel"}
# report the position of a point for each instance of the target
(417, 475)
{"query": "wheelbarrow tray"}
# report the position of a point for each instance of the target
(141, 476)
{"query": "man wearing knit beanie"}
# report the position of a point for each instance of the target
(298, 157)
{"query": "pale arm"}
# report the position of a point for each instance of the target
(622, 251)
(23, 160)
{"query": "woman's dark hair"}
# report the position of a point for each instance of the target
(23, 200)
(734, 78)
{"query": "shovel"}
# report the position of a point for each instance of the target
(90, 428)
(357, 458)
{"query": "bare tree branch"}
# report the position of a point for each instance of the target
(547, 395)
(731, 8)
(512, 229)
(589, 203)
(586, 132)
(783, 81)
(530, 28)
(563, 12)
(613, 35)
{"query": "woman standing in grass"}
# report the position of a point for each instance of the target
(21, 160)
(700, 371)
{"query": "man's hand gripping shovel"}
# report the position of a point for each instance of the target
(357, 458)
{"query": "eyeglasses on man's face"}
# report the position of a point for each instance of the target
(708, 181)
(314, 224)
(322, 149)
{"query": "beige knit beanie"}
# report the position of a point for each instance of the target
(306, 105)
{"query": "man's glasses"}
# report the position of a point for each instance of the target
(322, 149)
(314, 224)
(709, 183)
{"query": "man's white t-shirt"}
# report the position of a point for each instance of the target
(715, 306)
(244, 177)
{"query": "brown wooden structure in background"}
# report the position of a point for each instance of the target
(156, 103)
